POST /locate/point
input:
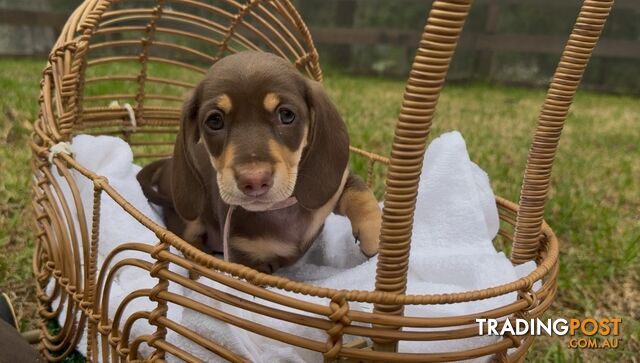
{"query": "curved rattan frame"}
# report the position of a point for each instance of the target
(94, 35)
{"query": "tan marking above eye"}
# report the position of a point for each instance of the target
(224, 103)
(271, 101)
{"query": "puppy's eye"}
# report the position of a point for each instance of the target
(215, 121)
(285, 115)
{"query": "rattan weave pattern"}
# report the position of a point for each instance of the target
(131, 46)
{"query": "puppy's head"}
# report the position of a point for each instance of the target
(270, 133)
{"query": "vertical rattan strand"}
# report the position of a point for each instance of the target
(92, 352)
(370, 166)
(161, 308)
(235, 22)
(312, 57)
(426, 79)
(566, 79)
(73, 81)
(339, 316)
(146, 42)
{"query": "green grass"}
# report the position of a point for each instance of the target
(75, 357)
(594, 204)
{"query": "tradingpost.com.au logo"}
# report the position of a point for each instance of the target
(587, 333)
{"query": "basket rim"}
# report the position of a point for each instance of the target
(548, 258)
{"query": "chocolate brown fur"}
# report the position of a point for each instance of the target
(257, 159)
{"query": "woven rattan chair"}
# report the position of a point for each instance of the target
(130, 46)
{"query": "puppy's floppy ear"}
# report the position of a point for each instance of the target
(323, 162)
(187, 186)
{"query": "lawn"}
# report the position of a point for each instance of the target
(594, 205)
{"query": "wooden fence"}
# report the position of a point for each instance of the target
(485, 42)
(342, 35)
(33, 17)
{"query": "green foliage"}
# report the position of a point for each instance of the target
(17, 107)
(75, 357)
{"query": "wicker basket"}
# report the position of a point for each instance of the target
(130, 45)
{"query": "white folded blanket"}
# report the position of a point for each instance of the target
(456, 218)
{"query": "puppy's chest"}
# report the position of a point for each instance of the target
(276, 238)
(292, 225)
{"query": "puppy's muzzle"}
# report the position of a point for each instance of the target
(255, 180)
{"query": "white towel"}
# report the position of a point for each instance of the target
(455, 220)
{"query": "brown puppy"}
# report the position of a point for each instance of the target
(254, 134)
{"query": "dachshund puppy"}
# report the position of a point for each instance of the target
(257, 135)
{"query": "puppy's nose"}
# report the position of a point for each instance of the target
(256, 181)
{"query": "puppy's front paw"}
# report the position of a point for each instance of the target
(266, 267)
(367, 231)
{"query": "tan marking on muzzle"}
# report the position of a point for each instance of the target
(271, 101)
(224, 160)
(283, 154)
(224, 103)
